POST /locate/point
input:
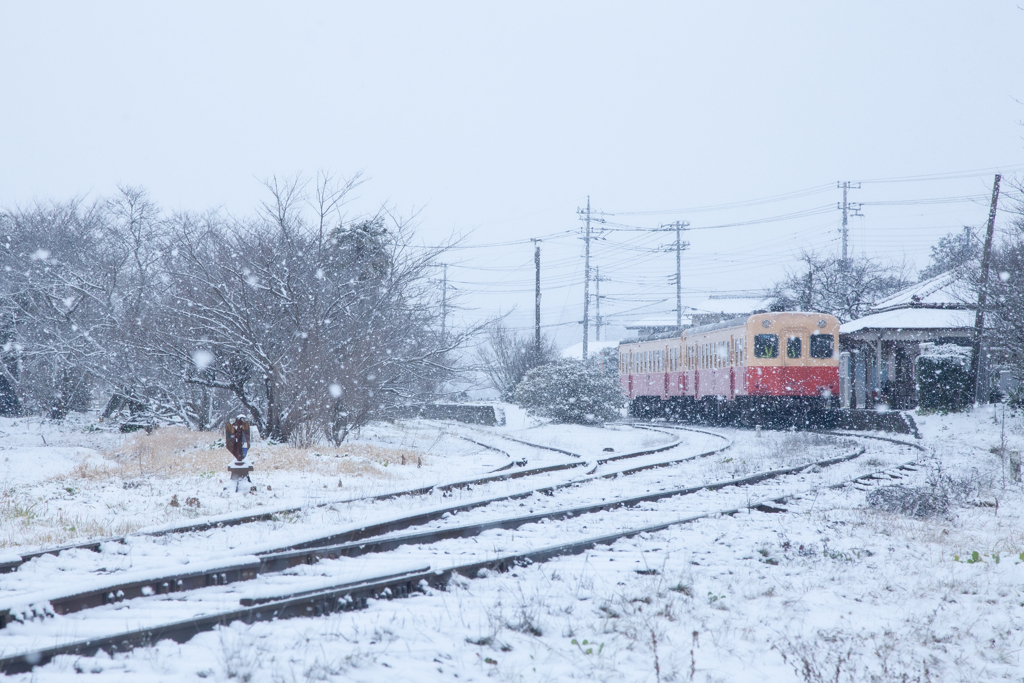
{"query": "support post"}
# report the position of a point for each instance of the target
(679, 279)
(680, 245)
(536, 323)
(586, 282)
(979, 316)
(444, 303)
(847, 207)
(844, 379)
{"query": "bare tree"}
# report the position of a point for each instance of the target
(846, 290)
(508, 357)
(60, 268)
(315, 325)
(309, 321)
(955, 250)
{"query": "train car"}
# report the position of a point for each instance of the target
(752, 368)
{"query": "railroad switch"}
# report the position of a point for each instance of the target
(236, 440)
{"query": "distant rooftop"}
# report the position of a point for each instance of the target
(594, 348)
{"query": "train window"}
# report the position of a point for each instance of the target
(822, 346)
(766, 346)
(794, 347)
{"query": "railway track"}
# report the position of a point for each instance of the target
(98, 593)
(225, 521)
(384, 538)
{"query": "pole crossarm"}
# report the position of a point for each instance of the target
(678, 226)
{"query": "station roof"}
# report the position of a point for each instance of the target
(947, 290)
(912, 319)
(938, 306)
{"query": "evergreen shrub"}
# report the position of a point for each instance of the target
(942, 378)
(570, 391)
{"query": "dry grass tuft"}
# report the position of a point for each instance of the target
(175, 452)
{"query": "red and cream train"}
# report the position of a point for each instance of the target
(755, 366)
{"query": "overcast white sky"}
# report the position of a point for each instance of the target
(497, 121)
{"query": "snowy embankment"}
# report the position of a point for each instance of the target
(831, 590)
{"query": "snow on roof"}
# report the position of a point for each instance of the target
(593, 348)
(657, 323)
(912, 319)
(946, 289)
(731, 322)
(729, 305)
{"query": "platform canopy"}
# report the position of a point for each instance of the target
(939, 307)
(884, 344)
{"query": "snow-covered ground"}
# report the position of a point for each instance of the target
(831, 590)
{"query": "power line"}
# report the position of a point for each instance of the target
(952, 175)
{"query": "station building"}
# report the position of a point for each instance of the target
(880, 349)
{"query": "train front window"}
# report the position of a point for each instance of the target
(822, 346)
(766, 346)
(794, 347)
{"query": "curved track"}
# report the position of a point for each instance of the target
(222, 521)
(290, 599)
(95, 593)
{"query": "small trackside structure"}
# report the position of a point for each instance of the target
(236, 440)
(756, 369)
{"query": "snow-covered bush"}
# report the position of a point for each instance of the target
(919, 502)
(942, 378)
(570, 391)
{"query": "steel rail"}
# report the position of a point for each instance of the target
(349, 546)
(351, 543)
(232, 572)
(355, 595)
(94, 545)
(283, 560)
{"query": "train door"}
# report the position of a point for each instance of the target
(792, 347)
(732, 368)
(791, 352)
(665, 367)
(698, 363)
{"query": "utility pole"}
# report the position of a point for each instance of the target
(585, 216)
(586, 282)
(678, 226)
(444, 303)
(973, 378)
(849, 208)
(536, 262)
(597, 300)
